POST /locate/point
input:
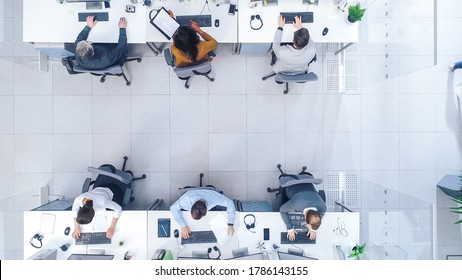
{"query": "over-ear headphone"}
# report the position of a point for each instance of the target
(250, 225)
(256, 17)
(39, 238)
(216, 249)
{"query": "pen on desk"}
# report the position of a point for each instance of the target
(163, 230)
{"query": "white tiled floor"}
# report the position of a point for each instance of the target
(399, 134)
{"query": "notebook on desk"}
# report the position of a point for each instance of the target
(164, 22)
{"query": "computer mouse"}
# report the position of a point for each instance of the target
(176, 233)
(324, 31)
(67, 230)
(217, 23)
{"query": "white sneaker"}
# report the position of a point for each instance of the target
(451, 67)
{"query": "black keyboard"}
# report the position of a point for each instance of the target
(300, 238)
(200, 237)
(90, 238)
(307, 17)
(201, 20)
(99, 16)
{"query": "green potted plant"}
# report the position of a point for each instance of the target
(458, 199)
(355, 13)
(358, 251)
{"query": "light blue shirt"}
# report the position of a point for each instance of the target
(211, 198)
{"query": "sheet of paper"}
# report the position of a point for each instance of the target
(47, 223)
(219, 226)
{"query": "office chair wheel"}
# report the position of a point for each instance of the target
(102, 80)
(128, 83)
(186, 86)
(286, 91)
(212, 79)
(138, 60)
(263, 79)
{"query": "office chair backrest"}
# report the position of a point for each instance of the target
(203, 69)
(286, 77)
(112, 70)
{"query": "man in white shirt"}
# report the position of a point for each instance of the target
(98, 199)
(296, 57)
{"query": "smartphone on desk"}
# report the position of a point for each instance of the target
(163, 227)
(232, 9)
(266, 234)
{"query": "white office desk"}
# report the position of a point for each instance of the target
(326, 235)
(173, 244)
(226, 32)
(46, 21)
(131, 229)
(325, 14)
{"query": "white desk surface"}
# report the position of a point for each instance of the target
(138, 231)
(46, 21)
(172, 243)
(325, 236)
(325, 14)
(131, 229)
(226, 32)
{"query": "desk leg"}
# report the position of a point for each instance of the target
(343, 48)
(154, 48)
(43, 61)
(236, 48)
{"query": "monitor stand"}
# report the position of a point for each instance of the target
(94, 5)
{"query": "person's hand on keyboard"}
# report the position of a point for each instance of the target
(230, 230)
(297, 22)
(91, 22)
(185, 231)
(76, 233)
(195, 26)
(110, 232)
(291, 234)
(311, 234)
(281, 21)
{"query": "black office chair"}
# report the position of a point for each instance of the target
(185, 73)
(115, 70)
(286, 180)
(108, 175)
(182, 190)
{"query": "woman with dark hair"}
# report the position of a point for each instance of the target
(101, 198)
(188, 49)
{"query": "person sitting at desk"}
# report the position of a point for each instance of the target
(188, 49)
(304, 209)
(296, 57)
(198, 202)
(100, 56)
(100, 198)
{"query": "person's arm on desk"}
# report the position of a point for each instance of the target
(278, 36)
(210, 42)
(284, 210)
(76, 233)
(111, 229)
(83, 35)
(121, 49)
(175, 208)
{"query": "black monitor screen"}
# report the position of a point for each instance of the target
(288, 256)
(90, 257)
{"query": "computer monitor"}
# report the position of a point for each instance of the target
(290, 257)
(91, 257)
(257, 256)
(90, 4)
(195, 258)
